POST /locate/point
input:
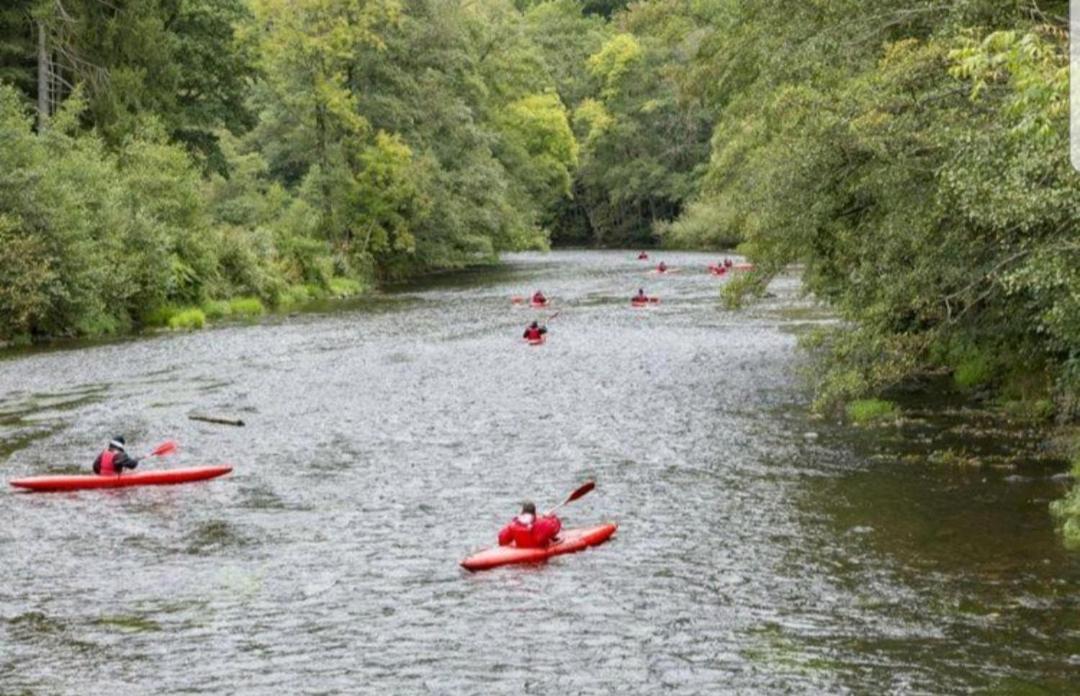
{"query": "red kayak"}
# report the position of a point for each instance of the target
(570, 541)
(142, 478)
(717, 270)
(541, 305)
(644, 303)
(536, 341)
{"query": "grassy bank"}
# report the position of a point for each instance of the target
(248, 308)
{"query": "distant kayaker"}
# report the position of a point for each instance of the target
(643, 256)
(538, 298)
(640, 296)
(534, 332)
(662, 268)
(728, 263)
(529, 530)
(114, 459)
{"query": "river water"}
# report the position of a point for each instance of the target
(759, 551)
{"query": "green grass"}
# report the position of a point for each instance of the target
(866, 411)
(297, 294)
(160, 316)
(247, 307)
(301, 294)
(1067, 511)
(1030, 410)
(191, 318)
(344, 287)
(973, 372)
(216, 309)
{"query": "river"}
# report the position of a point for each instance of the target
(759, 550)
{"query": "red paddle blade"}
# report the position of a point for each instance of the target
(584, 489)
(167, 447)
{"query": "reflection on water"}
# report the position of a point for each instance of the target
(390, 436)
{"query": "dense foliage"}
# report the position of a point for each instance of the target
(911, 155)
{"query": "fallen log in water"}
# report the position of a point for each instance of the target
(221, 421)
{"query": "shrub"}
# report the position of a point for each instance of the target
(974, 371)
(1030, 410)
(216, 309)
(866, 411)
(343, 287)
(1067, 511)
(191, 318)
(160, 315)
(246, 307)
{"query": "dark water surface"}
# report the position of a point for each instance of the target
(390, 437)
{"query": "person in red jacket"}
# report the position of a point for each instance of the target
(662, 268)
(114, 460)
(538, 298)
(534, 332)
(529, 531)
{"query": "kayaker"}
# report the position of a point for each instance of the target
(728, 263)
(534, 332)
(114, 459)
(643, 256)
(640, 296)
(538, 298)
(528, 530)
(662, 268)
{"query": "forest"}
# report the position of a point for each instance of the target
(166, 162)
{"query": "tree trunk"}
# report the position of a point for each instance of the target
(44, 78)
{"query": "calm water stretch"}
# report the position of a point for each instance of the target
(759, 551)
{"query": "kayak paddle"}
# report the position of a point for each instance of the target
(165, 448)
(580, 492)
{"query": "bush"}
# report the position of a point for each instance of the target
(192, 318)
(344, 287)
(1030, 410)
(216, 309)
(159, 316)
(866, 411)
(246, 307)
(974, 371)
(1067, 511)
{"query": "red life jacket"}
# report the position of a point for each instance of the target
(107, 468)
(530, 536)
(532, 334)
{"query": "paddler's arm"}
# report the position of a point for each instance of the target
(123, 461)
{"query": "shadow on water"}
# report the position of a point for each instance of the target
(950, 504)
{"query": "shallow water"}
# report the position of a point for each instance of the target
(389, 437)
